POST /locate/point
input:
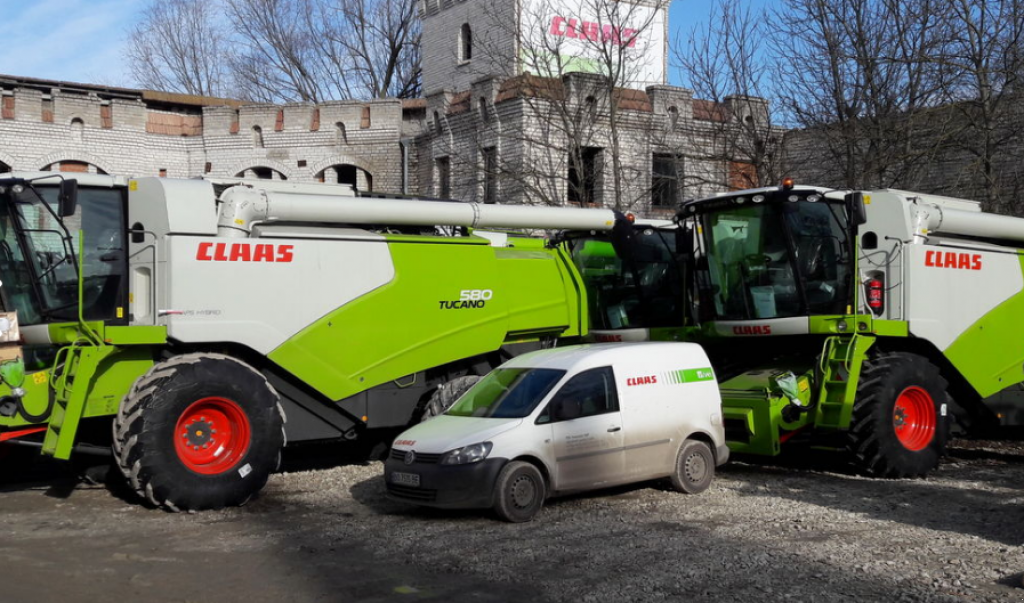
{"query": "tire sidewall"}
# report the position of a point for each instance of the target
(680, 480)
(905, 373)
(165, 472)
(504, 505)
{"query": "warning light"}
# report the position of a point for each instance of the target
(631, 218)
(788, 183)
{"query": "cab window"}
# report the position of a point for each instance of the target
(587, 394)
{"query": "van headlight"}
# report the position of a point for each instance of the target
(474, 453)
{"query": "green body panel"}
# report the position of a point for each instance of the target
(840, 368)
(754, 402)
(989, 353)
(405, 327)
(71, 387)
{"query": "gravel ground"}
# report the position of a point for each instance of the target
(761, 533)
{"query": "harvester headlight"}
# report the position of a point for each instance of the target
(758, 199)
(474, 453)
(793, 198)
(814, 198)
(841, 326)
(17, 189)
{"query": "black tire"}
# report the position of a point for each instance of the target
(695, 467)
(519, 492)
(882, 441)
(165, 438)
(446, 394)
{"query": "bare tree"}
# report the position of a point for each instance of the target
(280, 50)
(180, 46)
(579, 113)
(859, 77)
(315, 50)
(985, 65)
(725, 62)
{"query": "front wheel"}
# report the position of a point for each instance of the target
(199, 431)
(519, 492)
(899, 425)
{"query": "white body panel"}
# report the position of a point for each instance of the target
(951, 288)
(658, 410)
(214, 294)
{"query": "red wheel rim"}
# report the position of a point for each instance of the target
(212, 435)
(913, 418)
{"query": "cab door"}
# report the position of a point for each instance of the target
(586, 431)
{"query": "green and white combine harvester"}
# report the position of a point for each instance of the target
(190, 318)
(179, 322)
(861, 322)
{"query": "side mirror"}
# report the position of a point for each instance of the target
(856, 208)
(67, 201)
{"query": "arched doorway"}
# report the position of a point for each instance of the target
(344, 173)
(261, 173)
(74, 167)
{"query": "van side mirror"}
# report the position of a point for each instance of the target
(856, 208)
(67, 199)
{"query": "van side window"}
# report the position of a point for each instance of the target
(587, 394)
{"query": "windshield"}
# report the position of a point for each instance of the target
(37, 266)
(640, 290)
(510, 393)
(774, 260)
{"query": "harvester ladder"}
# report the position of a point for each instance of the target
(841, 362)
(73, 370)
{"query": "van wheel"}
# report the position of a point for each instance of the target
(446, 394)
(199, 431)
(519, 492)
(695, 468)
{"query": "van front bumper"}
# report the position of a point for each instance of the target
(469, 486)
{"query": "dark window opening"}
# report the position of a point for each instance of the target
(444, 177)
(466, 45)
(587, 394)
(665, 180)
(490, 165)
(584, 168)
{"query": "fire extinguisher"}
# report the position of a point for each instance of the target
(876, 292)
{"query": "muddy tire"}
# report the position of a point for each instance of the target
(695, 468)
(446, 394)
(199, 431)
(899, 426)
(519, 492)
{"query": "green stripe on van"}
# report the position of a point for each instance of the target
(691, 376)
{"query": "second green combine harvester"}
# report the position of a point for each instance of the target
(854, 321)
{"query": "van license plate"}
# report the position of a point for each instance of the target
(405, 479)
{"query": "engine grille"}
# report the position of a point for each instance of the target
(421, 457)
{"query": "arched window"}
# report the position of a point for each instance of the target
(340, 134)
(465, 43)
(257, 137)
(343, 173)
(261, 173)
(591, 103)
(673, 117)
(77, 129)
(485, 111)
(438, 125)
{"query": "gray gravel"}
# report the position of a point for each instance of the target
(761, 533)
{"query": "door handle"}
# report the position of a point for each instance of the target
(614, 429)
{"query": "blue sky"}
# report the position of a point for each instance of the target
(83, 40)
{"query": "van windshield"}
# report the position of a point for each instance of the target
(510, 393)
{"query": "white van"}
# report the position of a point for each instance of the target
(566, 420)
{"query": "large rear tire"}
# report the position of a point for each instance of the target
(900, 426)
(446, 394)
(199, 431)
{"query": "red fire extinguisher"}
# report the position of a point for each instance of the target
(876, 293)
